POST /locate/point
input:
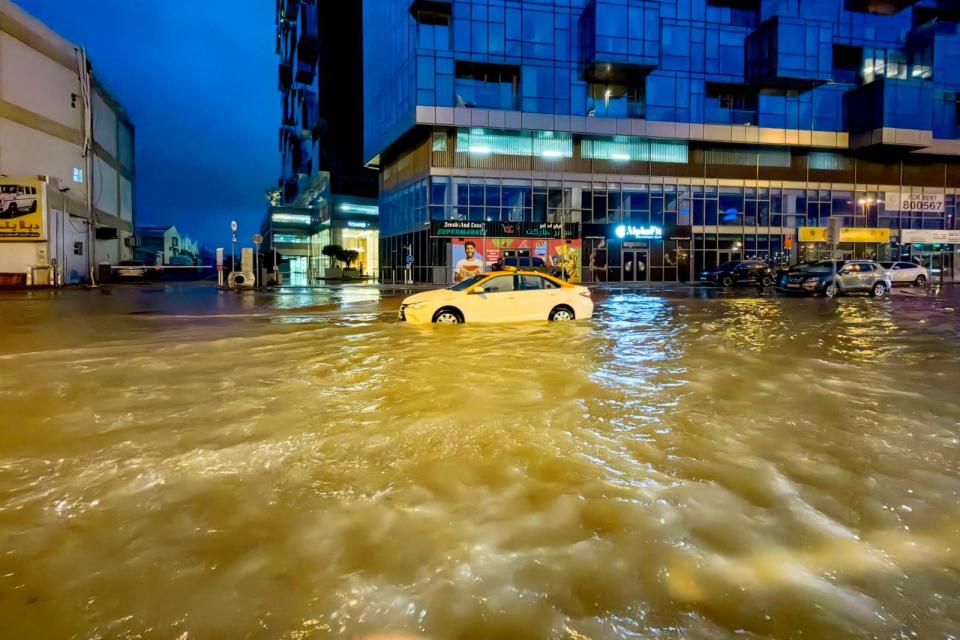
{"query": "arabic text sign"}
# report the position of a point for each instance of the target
(907, 201)
(21, 210)
(929, 236)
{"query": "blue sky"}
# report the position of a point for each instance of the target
(199, 81)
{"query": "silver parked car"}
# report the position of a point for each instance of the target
(830, 278)
(907, 273)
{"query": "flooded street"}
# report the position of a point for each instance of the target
(685, 465)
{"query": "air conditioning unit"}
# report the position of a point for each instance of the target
(131, 242)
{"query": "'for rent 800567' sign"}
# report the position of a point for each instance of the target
(907, 201)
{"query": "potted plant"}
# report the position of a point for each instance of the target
(335, 253)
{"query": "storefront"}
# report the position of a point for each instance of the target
(351, 223)
(935, 249)
(629, 253)
(856, 243)
(469, 247)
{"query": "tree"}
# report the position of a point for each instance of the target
(350, 256)
(333, 251)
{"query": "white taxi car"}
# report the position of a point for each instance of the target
(500, 296)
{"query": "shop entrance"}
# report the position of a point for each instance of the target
(635, 265)
(939, 264)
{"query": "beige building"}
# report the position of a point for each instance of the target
(65, 138)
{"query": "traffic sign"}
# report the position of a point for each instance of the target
(257, 238)
(233, 226)
(834, 227)
(409, 258)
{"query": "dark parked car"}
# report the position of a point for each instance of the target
(740, 271)
(830, 278)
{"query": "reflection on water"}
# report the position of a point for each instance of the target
(300, 466)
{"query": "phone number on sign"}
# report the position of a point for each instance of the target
(921, 205)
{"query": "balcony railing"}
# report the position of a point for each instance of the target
(744, 117)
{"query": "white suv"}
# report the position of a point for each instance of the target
(17, 200)
(907, 273)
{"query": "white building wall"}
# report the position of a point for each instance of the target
(126, 199)
(27, 153)
(16, 257)
(105, 185)
(41, 136)
(34, 82)
(104, 125)
(64, 231)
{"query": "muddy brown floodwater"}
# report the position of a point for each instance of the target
(686, 465)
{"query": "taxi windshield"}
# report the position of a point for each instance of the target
(466, 284)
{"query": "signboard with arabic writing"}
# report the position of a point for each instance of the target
(21, 210)
(485, 229)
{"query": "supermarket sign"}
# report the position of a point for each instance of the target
(908, 201)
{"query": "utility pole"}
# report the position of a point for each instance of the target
(233, 245)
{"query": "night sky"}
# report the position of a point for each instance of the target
(199, 80)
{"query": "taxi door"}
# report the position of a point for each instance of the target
(536, 296)
(495, 303)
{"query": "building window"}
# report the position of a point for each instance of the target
(78, 248)
(847, 64)
(433, 27)
(884, 63)
(546, 144)
(78, 175)
(921, 61)
(730, 104)
(829, 161)
(631, 149)
(489, 86)
(615, 100)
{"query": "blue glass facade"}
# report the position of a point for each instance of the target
(841, 98)
(671, 51)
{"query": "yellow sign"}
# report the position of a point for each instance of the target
(850, 234)
(21, 210)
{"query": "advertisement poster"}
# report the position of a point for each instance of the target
(21, 210)
(477, 255)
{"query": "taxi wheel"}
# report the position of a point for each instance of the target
(561, 314)
(920, 281)
(448, 315)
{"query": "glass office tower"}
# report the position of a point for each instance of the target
(646, 140)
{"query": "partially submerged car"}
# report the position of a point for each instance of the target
(500, 296)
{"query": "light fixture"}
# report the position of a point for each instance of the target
(622, 157)
(369, 210)
(292, 218)
(479, 149)
(552, 153)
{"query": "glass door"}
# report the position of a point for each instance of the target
(635, 266)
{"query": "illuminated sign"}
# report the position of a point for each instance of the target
(640, 233)
(847, 234)
(368, 210)
(291, 218)
(357, 224)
